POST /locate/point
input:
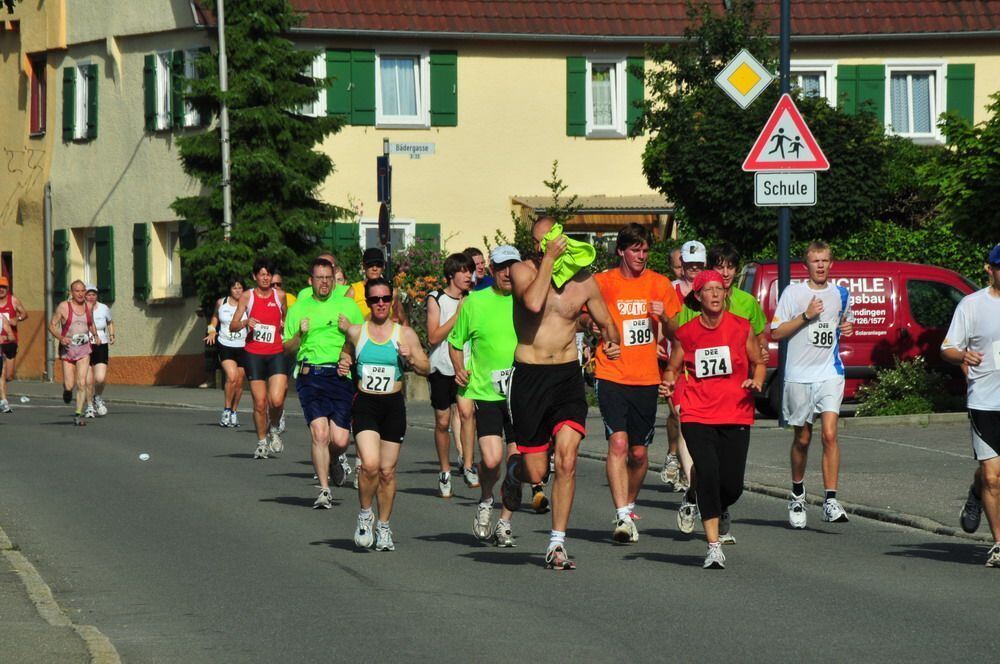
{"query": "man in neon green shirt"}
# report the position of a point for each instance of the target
(312, 331)
(486, 322)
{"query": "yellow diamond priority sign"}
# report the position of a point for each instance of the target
(743, 79)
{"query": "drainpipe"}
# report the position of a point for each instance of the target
(49, 285)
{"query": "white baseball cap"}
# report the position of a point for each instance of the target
(504, 254)
(92, 287)
(693, 252)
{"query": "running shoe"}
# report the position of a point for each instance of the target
(67, 396)
(971, 513)
(234, 420)
(471, 476)
(281, 423)
(510, 489)
(833, 512)
(324, 500)
(503, 537)
(339, 470)
(100, 406)
(444, 485)
(274, 442)
(481, 524)
(89, 412)
(625, 531)
(671, 473)
(725, 537)
(383, 538)
(539, 502)
(556, 558)
(261, 452)
(224, 418)
(78, 420)
(993, 557)
(687, 514)
(715, 559)
(363, 534)
(357, 471)
(5, 407)
(797, 511)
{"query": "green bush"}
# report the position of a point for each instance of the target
(908, 388)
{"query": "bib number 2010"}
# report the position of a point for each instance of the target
(378, 378)
(712, 362)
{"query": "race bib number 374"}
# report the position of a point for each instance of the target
(712, 362)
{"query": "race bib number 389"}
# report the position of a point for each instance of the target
(378, 378)
(264, 333)
(637, 332)
(712, 362)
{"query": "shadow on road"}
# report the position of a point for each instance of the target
(345, 544)
(674, 535)
(782, 524)
(949, 552)
(674, 559)
(498, 557)
(236, 455)
(295, 501)
(301, 476)
(451, 538)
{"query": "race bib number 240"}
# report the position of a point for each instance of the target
(264, 333)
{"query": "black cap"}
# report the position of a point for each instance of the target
(373, 256)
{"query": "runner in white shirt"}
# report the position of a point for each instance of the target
(813, 315)
(973, 340)
(98, 373)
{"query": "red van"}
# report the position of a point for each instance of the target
(900, 310)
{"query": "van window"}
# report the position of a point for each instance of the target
(746, 279)
(932, 303)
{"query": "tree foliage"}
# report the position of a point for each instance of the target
(275, 167)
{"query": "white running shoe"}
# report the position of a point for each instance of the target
(797, 511)
(833, 512)
(261, 452)
(671, 473)
(725, 522)
(715, 559)
(234, 420)
(993, 557)
(324, 500)
(364, 533)
(100, 406)
(503, 537)
(274, 442)
(444, 485)
(357, 471)
(625, 531)
(281, 423)
(383, 538)
(339, 470)
(557, 558)
(5, 407)
(471, 476)
(89, 412)
(481, 524)
(687, 514)
(224, 418)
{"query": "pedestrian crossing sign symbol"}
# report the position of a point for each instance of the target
(786, 143)
(744, 78)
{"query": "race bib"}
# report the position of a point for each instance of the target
(234, 336)
(712, 362)
(264, 334)
(80, 339)
(822, 334)
(636, 332)
(378, 378)
(501, 381)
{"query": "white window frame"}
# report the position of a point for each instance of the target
(826, 68)
(170, 248)
(618, 107)
(422, 119)
(80, 102)
(89, 256)
(317, 109)
(938, 96)
(191, 116)
(163, 91)
(408, 226)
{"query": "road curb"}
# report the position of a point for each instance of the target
(922, 419)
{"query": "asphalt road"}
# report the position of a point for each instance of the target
(201, 554)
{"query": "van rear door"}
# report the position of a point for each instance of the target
(929, 300)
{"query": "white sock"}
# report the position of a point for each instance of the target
(631, 507)
(503, 523)
(622, 512)
(557, 537)
(383, 525)
(365, 513)
(487, 501)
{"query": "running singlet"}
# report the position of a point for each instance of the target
(227, 338)
(715, 364)
(379, 365)
(7, 311)
(486, 323)
(814, 350)
(359, 298)
(628, 301)
(440, 360)
(77, 328)
(102, 316)
(265, 338)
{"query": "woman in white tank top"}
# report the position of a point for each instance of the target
(230, 350)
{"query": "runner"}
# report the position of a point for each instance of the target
(312, 332)
(383, 349)
(480, 278)
(98, 373)
(676, 265)
(973, 340)
(486, 324)
(717, 351)
(230, 348)
(73, 325)
(287, 300)
(640, 301)
(12, 311)
(813, 315)
(266, 362)
(546, 397)
(442, 312)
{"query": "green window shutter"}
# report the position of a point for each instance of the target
(177, 87)
(871, 88)
(576, 96)
(69, 101)
(430, 233)
(60, 265)
(91, 101)
(444, 89)
(204, 110)
(140, 262)
(634, 91)
(149, 91)
(105, 239)
(345, 236)
(188, 240)
(338, 88)
(362, 88)
(847, 88)
(961, 90)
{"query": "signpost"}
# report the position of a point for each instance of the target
(383, 176)
(781, 189)
(743, 79)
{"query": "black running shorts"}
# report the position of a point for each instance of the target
(444, 390)
(382, 413)
(542, 398)
(493, 419)
(628, 408)
(262, 367)
(98, 354)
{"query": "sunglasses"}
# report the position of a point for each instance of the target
(379, 299)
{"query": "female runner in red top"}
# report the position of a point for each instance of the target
(717, 352)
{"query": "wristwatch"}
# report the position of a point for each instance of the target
(804, 317)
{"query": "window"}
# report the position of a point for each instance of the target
(191, 116)
(317, 69)
(814, 78)
(165, 76)
(89, 258)
(915, 94)
(401, 233)
(402, 89)
(932, 303)
(165, 260)
(80, 108)
(163, 90)
(605, 97)
(39, 94)
(171, 247)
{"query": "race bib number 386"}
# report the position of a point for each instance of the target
(378, 378)
(712, 362)
(637, 332)
(821, 334)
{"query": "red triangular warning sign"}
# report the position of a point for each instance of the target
(786, 143)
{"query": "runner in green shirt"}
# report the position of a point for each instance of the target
(486, 320)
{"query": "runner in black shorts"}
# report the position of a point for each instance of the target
(543, 398)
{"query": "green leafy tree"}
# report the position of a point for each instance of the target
(699, 138)
(275, 169)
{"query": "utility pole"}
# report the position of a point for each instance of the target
(784, 213)
(227, 194)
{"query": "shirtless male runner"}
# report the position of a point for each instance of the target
(546, 397)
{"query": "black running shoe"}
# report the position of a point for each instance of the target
(67, 396)
(510, 490)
